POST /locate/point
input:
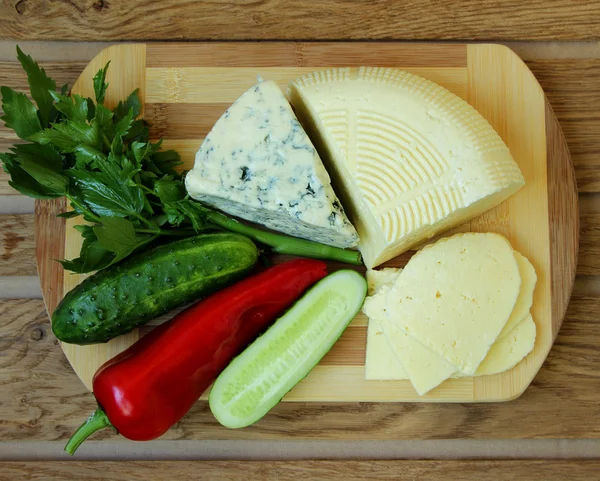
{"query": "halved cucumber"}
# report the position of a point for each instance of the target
(258, 378)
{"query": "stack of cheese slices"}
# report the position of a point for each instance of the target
(460, 307)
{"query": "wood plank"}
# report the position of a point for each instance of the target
(12, 74)
(17, 245)
(295, 54)
(199, 85)
(6, 189)
(276, 19)
(589, 242)
(318, 470)
(42, 399)
(573, 89)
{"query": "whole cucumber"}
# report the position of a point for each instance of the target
(119, 298)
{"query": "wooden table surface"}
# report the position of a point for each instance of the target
(42, 401)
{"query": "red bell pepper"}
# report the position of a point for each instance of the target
(147, 388)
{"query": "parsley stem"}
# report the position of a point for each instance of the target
(282, 244)
(83, 209)
(174, 232)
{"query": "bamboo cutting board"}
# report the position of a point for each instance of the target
(186, 87)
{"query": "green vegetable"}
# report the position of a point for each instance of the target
(103, 162)
(258, 378)
(119, 298)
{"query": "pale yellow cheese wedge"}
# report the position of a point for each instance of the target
(408, 158)
(525, 299)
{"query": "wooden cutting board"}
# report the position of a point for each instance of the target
(186, 87)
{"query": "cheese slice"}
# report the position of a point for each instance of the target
(424, 368)
(525, 299)
(507, 352)
(409, 159)
(376, 279)
(257, 163)
(381, 363)
(456, 295)
(394, 354)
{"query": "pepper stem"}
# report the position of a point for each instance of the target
(94, 423)
(281, 244)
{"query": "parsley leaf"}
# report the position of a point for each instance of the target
(117, 235)
(68, 136)
(132, 102)
(43, 164)
(105, 197)
(100, 84)
(40, 86)
(23, 182)
(92, 256)
(19, 113)
(74, 108)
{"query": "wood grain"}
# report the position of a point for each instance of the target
(563, 213)
(185, 101)
(589, 245)
(295, 54)
(505, 470)
(12, 74)
(309, 20)
(17, 245)
(573, 89)
(42, 399)
(6, 189)
(48, 226)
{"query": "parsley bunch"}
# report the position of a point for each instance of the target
(122, 184)
(102, 161)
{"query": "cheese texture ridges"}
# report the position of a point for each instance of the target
(257, 163)
(409, 158)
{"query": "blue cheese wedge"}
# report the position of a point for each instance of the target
(257, 163)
